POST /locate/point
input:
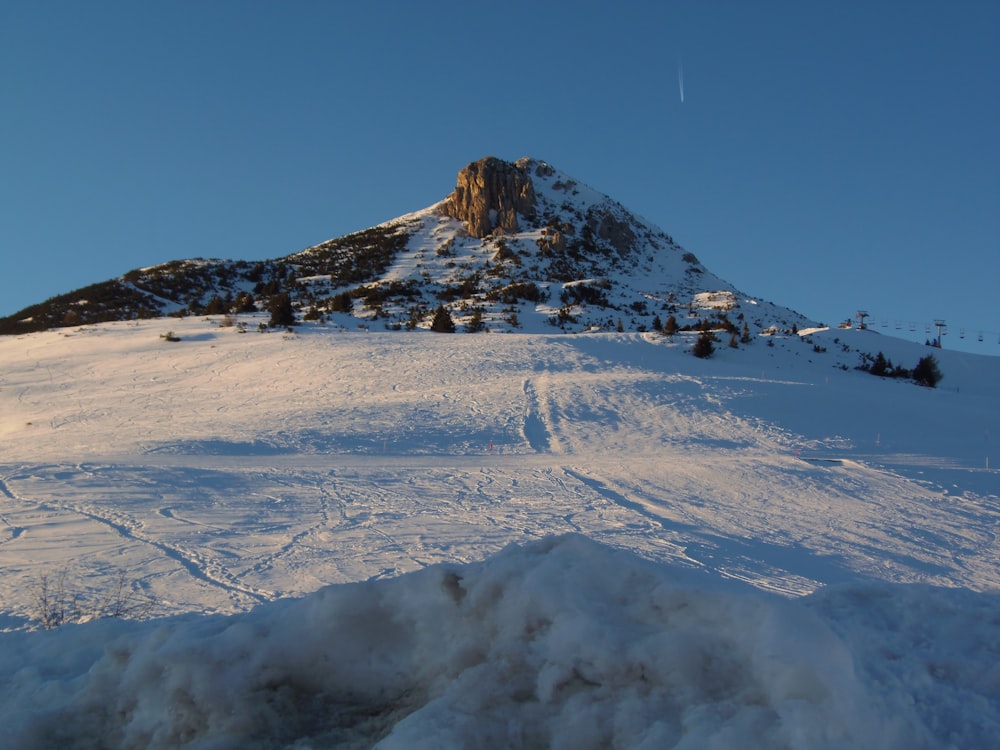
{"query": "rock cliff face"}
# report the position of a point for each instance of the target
(490, 194)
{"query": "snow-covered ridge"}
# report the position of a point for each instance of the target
(521, 278)
(394, 276)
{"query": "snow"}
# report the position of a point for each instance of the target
(559, 643)
(420, 540)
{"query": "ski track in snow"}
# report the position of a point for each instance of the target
(231, 469)
(196, 565)
(536, 432)
(13, 531)
(131, 534)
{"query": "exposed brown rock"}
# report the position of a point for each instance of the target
(490, 194)
(614, 230)
(552, 242)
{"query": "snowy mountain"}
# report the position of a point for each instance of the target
(516, 247)
(340, 537)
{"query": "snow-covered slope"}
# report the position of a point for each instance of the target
(581, 261)
(572, 259)
(754, 538)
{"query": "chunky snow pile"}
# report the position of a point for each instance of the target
(563, 643)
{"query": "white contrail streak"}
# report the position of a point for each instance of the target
(680, 80)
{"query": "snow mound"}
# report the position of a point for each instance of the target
(563, 643)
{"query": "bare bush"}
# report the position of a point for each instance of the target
(56, 605)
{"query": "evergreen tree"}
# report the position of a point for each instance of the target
(476, 323)
(927, 372)
(282, 312)
(342, 302)
(745, 338)
(670, 327)
(703, 347)
(216, 306)
(244, 303)
(442, 322)
(880, 366)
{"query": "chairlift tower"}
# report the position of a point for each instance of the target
(862, 314)
(940, 325)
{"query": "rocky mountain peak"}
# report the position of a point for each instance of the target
(516, 246)
(489, 195)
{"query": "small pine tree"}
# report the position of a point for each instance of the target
(476, 323)
(704, 347)
(342, 303)
(670, 327)
(244, 303)
(216, 306)
(745, 338)
(880, 366)
(442, 322)
(927, 371)
(282, 312)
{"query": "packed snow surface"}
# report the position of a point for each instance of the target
(532, 540)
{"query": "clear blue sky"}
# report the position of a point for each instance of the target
(828, 156)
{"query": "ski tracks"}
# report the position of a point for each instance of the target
(326, 499)
(194, 563)
(197, 565)
(537, 420)
(14, 530)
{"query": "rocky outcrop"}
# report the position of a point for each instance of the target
(490, 194)
(612, 229)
